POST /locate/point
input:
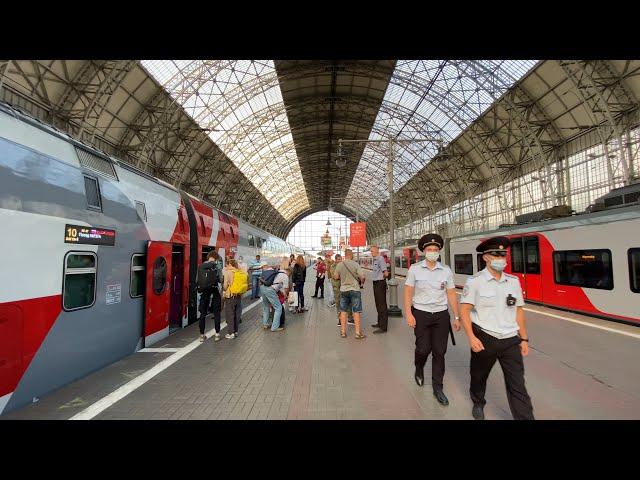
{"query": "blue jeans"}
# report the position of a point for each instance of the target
(269, 296)
(255, 284)
(351, 301)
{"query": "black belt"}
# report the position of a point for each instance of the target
(430, 313)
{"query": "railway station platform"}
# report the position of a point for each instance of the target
(578, 368)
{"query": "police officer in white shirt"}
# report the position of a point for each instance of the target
(427, 290)
(493, 318)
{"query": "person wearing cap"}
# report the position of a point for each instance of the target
(493, 318)
(378, 275)
(428, 290)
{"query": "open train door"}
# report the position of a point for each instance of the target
(525, 264)
(157, 295)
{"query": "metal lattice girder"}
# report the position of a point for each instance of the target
(605, 93)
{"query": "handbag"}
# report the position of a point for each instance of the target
(293, 299)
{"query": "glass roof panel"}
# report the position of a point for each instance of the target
(427, 98)
(240, 103)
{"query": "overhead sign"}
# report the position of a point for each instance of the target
(89, 235)
(358, 234)
(325, 240)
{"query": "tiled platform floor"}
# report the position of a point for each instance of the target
(309, 372)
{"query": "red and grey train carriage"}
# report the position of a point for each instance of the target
(99, 258)
(588, 263)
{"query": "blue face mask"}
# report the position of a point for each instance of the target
(432, 256)
(498, 265)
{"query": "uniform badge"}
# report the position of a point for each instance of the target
(465, 291)
(442, 285)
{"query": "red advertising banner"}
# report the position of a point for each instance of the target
(358, 234)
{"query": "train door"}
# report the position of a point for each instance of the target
(177, 284)
(525, 264)
(158, 291)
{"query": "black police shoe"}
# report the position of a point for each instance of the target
(379, 330)
(478, 412)
(375, 325)
(419, 376)
(441, 397)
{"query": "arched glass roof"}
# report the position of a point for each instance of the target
(426, 98)
(240, 104)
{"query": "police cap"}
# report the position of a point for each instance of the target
(430, 239)
(494, 244)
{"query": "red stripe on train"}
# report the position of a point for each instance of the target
(24, 324)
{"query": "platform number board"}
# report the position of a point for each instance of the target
(83, 235)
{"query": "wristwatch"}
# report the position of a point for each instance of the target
(524, 339)
(456, 318)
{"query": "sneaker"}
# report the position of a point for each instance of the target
(203, 338)
(229, 335)
(216, 337)
(279, 329)
(265, 327)
(351, 321)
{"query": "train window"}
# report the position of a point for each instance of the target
(463, 264)
(634, 269)
(79, 288)
(159, 275)
(517, 262)
(404, 262)
(232, 232)
(138, 267)
(531, 255)
(204, 230)
(583, 268)
(92, 192)
(258, 242)
(142, 211)
(252, 242)
(398, 262)
(481, 262)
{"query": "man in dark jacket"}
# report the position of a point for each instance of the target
(210, 300)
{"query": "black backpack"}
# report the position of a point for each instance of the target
(268, 280)
(207, 276)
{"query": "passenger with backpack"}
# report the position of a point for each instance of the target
(236, 283)
(273, 281)
(207, 283)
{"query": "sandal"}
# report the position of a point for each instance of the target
(343, 334)
(360, 335)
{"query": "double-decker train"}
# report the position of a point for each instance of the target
(587, 263)
(100, 259)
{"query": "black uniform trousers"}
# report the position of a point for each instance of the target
(507, 352)
(319, 285)
(210, 302)
(380, 295)
(432, 335)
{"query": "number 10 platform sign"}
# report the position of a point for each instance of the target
(358, 234)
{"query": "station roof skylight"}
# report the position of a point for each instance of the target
(239, 104)
(427, 98)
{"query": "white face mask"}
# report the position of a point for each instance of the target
(432, 256)
(498, 265)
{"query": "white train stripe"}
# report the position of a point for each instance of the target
(4, 400)
(34, 249)
(104, 403)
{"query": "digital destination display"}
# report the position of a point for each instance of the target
(89, 235)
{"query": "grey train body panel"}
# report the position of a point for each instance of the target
(80, 341)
